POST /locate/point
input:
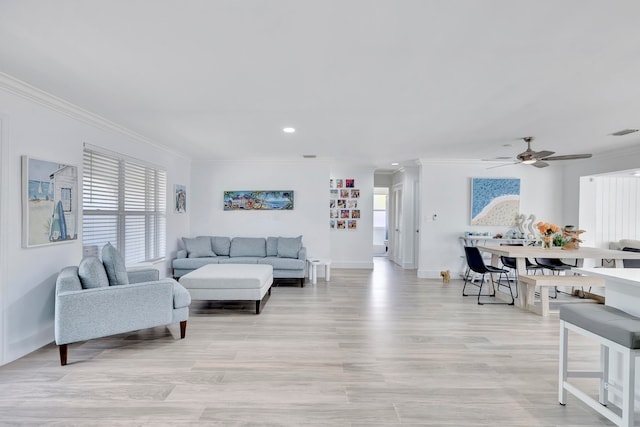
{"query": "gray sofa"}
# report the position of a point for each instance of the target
(101, 298)
(286, 255)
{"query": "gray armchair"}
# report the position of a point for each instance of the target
(89, 304)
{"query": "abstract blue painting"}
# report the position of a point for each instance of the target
(495, 201)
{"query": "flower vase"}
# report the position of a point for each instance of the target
(547, 242)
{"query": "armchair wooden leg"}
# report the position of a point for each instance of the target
(63, 354)
(183, 329)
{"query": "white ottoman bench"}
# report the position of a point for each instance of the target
(230, 282)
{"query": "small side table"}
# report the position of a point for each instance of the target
(313, 269)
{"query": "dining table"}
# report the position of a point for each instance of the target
(522, 253)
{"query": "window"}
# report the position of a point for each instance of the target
(124, 202)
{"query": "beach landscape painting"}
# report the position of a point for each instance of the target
(495, 201)
(258, 200)
(49, 202)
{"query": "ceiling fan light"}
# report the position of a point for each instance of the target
(529, 161)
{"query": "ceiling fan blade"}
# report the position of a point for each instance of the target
(540, 164)
(503, 164)
(568, 157)
(541, 154)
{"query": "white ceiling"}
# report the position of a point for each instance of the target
(361, 80)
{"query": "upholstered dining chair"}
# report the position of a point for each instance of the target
(476, 265)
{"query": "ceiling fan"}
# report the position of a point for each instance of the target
(539, 159)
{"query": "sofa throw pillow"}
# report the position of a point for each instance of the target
(221, 245)
(92, 273)
(288, 247)
(272, 246)
(198, 247)
(248, 246)
(114, 265)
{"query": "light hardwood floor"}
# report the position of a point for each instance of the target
(370, 348)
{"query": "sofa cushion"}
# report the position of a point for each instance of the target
(92, 273)
(248, 247)
(221, 245)
(288, 247)
(629, 243)
(198, 247)
(240, 260)
(283, 263)
(272, 246)
(114, 265)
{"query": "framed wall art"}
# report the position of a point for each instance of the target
(180, 192)
(258, 200)
(343, 204)
(495, 201)
(49, 202)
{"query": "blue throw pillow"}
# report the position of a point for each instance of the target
(288, 247)
(272, 246)
(114, 265)
(198, 247)
(92, 273)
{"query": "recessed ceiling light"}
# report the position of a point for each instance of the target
(395, 164)
(288, 130)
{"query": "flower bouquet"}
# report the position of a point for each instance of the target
(547, 232)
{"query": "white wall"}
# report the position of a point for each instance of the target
(446, 192)
(353, 248)
(309, 179)
(38, 125)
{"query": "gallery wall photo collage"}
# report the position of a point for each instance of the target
(344, 211)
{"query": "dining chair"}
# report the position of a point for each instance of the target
(555, 266)
(476, 264)
(631, 263)
(510, 263)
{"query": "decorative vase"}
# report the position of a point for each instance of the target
(547, 242)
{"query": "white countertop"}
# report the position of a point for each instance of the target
(629, 276)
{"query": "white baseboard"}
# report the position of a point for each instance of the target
(428, 274)
(365, 265)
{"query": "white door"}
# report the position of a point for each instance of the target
(396, 212)
(416, 224)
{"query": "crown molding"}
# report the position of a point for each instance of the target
(25, 90)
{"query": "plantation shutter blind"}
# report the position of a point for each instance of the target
(124, 202)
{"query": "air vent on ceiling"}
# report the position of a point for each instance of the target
(309, 156)
(624, 132)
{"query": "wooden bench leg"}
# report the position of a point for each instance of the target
(183, 329)
(258, 307)
(63, 354)
(544, 300)
(530, 299)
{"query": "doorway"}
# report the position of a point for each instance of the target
(380, 221)
(396, 229)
